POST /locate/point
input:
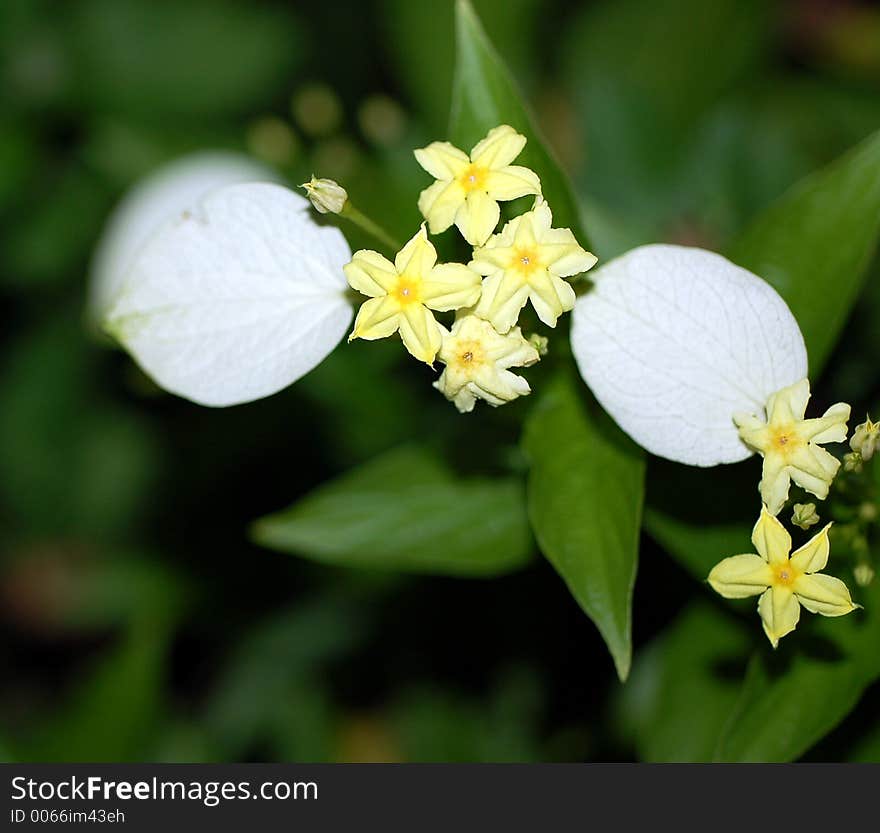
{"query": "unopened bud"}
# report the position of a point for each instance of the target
(866, 439)
(852, 462)
(539, 343)
(864, 574)
(804, 515)
(327, 196)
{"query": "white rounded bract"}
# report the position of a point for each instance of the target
(673, 341)
(236, 298)
(173, 188)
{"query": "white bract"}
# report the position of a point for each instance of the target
(673, 341)
(164, 194)
(235, 299)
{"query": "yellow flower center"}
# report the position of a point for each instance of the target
(785, 574)
(785, 440)
(468, 356)
(525, 260)
(473, 178)
(407, 290)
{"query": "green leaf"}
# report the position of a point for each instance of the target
(405, 511)
(419, 44)
(576, 462)
(585, 492)
(484, 95)
(815, 243)
(684, 685)
(795, 696)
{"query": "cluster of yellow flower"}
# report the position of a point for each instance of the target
(528, 260)
(791, 448)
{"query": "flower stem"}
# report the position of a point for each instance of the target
(366, 224)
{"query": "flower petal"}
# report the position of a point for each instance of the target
(823, 594)
(174, 188)
(377, 318)
(830, 427)
(780, 612)
(500, 386)
(771, 539)
(813, 469)
(488, 259)
(502, 299)
(740, 576)
(673, 341)
(439, 203)
(442, 160)
(790, 403)
(420, 332)
(236, 299)
(550, 296)
(477, 217)
(813, 556)
(563, 255)
(370, 273)
(512, 182)
(775, 483)
(451, 286)
(417, 257)
(500, 147)
(513, 351)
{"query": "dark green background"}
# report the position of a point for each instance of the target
(139, 622)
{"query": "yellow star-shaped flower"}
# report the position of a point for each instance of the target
(785, 583)
(403, 293)
(527, 261)
(790, 444)
(477, 359)
(468, 188)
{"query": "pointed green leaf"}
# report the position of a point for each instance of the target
(815, 243)
(484, 95)
(579, 460)
(585, 492)
(405, 511)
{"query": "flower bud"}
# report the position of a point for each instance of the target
(852, 462)
(866, 439)
(864, 574)
(804, 515)
(539, 343)
(327, 196)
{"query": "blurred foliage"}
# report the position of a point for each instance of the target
(140, 623)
